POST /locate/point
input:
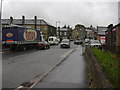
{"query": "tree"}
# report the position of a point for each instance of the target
(79, 25)
(68, 26)
(64, 26)
(91, 26)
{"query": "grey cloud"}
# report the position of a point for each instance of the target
(69, 13)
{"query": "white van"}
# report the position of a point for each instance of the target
(53, 40)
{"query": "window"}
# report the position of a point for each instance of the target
(45, 28)
(60, 33)
(57, 33)
(50, 39)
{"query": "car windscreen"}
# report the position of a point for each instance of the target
(64, 41)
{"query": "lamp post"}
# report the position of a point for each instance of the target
(57, 23)
(57, 28)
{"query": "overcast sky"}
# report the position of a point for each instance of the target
(68, 12)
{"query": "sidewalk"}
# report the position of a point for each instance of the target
(71, 73)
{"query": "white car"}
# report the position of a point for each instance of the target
(65, 43)
(94, 43)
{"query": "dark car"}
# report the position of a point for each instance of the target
(65, 43)
(78, 42)
(43, 45)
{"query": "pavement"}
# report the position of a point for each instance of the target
(71, 73)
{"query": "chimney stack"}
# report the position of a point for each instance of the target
(23, 19)
(11, 20)
(35, 19)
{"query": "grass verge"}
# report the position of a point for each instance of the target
(110, 65)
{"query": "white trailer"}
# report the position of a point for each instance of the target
(53, 40)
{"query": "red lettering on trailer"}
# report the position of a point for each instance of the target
(30, 35)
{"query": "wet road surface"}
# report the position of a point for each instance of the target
(71, 73)
(18, 67)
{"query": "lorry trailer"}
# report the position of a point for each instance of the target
(20, 38)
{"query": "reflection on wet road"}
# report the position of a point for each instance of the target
(71, 73)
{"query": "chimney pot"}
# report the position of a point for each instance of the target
(23, 19)
(11, 20)
(35, 18)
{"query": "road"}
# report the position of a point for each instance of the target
(72, 73)
(18, 67)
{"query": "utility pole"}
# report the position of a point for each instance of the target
(0, 43)
(1, 16)
(1, 25)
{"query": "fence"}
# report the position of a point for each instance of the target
(113, 39)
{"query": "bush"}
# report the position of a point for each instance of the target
(110, 65)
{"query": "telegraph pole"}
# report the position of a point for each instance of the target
(57, 28)
(1, 16)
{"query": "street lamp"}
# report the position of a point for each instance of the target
(57, 23)
(57, 28)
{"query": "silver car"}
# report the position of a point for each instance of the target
(65, 43)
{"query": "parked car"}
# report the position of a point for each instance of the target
(43, 45)
(95, 43)
(65, 43)
(71, 39)
(78, 42)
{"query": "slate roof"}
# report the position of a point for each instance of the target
(27, 21)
